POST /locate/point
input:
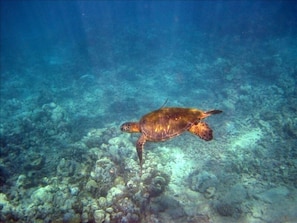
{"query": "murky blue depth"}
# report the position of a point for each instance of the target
(73, 71)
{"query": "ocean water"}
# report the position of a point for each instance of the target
(72, 72)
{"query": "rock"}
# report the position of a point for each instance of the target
(70, 217)
(167, 204)
(146, 178)
(93, 205)
(119, 180)
(115, 141)
(225, 209)
(109, 210)
(58, 114)
(202, 181)
(102, 202)
(107, 218)
(35, 162)
(236, 194)
(157, 186)
(209, 192)
(290, 128)
(52, 105)
(273, 195)
(21, 180)
(132, 186)
(42, 195)
(104, 172)
(66, 167)
(85, 217)
(99, 216)
(74, 191)
(114, 193)
(91, 185)
(4, 203)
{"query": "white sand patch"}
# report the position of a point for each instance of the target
(179, 165)
(247, 139)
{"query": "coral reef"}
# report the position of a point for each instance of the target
(64, 94)
(106, 194)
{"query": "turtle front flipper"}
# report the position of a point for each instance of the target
(202, 130)
(139, 147)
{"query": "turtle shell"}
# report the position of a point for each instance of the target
(166, 123)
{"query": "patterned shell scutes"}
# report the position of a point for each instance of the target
(166, 123)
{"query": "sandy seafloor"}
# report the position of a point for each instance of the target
(64, 158)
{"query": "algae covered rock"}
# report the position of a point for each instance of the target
(34, 162)
(104, 174)
(225, 209)
(153, 182)
(102, 202)
(91, 185)
(273, 195)
(209, 192)
(5, 206)
(201, 181)
(66, 167)
(42, 195)
(70, 217)
(114, 193)
(157, 186)
(168, 204)
(4, 175)
(99, 216)
(237, 194)
(228, 209)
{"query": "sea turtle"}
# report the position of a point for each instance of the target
(168, 122)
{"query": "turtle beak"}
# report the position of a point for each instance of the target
(123, 127)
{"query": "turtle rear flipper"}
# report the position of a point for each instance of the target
(209, 113)
(202, 130)
(213, 112)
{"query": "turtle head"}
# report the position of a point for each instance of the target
(131, 127)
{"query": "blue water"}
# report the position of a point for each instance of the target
(73, 71)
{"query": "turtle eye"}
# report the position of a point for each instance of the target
(127, 127)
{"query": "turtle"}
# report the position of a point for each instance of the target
(168, 122)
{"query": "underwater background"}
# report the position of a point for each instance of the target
(73, 71)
